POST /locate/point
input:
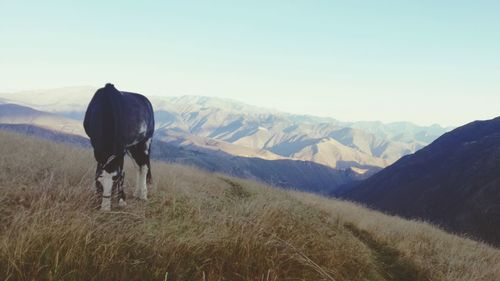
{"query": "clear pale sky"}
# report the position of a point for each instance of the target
(421, 61)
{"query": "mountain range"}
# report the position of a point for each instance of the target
(243, 130)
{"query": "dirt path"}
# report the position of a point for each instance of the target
(392, 266)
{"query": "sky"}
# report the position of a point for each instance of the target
(421, 61)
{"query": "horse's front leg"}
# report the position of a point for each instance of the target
(106, 181)
(109, 176)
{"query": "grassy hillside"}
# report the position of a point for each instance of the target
(200, 226)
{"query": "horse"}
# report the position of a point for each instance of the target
(119, 123)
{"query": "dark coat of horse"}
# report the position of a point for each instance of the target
(119, 123)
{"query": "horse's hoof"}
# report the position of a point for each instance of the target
(122, 203)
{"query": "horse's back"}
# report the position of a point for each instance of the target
(115, 119)
(141, 107)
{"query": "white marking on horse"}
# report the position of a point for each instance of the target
(148, 143)
(143, 129)
(142, 132)
(141, 189)
(106, 180)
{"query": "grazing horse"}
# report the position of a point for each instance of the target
(118, 123)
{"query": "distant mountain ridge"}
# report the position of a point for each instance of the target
(17, 114)
(455, 182)
(322, 140)
(362, 146)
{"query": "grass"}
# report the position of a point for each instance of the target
(201, 226)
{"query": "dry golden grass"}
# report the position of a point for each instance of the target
(441, 255)
(200, 226)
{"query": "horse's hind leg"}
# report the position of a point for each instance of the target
(140, 155)
(121, 191)
(147, 151)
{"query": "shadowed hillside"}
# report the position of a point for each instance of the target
(201, 226)
(454, 182)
